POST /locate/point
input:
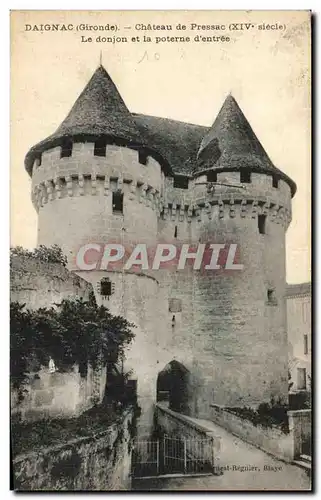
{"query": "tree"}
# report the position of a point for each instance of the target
(72, 332)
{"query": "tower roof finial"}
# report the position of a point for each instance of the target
(101, 58)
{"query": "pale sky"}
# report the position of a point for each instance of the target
(267, 71)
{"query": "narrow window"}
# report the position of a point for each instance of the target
(38, 160)
(181, 182)
(142, 156)
(302, 379)
(83, 368)
(261, 223)
(105, 287)
(100, 147)
(212, 176)
(118, 199)
(305, 343)
(66, 149)
(245, 175)
(271, 298)
(305, 312)
(175, 232)
(275, 181)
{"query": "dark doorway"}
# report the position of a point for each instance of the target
(172, 386)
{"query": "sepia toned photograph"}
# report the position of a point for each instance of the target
(160, 260)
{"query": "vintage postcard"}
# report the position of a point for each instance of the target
(160, 250)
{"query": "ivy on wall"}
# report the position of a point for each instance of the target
(73, 332)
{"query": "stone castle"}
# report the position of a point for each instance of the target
(108, 174)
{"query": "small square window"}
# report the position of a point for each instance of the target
(175, 305)
(245, 175)
(211, 176)
(181, 182)
(275, 182)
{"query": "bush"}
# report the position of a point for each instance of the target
(266, 414)
(75, 332)
(51, 254)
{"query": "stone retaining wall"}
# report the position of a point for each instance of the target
(100, 462)
(272, 440)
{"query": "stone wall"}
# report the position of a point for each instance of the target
(43, 284)
(300, 425)
(272, 440)
(99, 462)
(59, 394)
(298, 303)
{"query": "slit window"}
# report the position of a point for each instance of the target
(100, 147)
(245, 175)
(305, 343)
(118, 202)
(181, 182)
(175, 232)
(302, 379)
(275, 182)
(142, 156)
(66, 149)
(261, 223)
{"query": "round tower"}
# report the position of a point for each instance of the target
(235, 337)
(96, 181)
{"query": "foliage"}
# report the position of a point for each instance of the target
(300, 400)
(267, 414)
(51, 254)
(73, 332)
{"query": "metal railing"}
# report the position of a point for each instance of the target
(171, 455)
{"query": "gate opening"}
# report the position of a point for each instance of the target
(172, 386)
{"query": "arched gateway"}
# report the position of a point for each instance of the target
(172, 386)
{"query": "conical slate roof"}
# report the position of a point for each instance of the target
(231, 144)
(99, 110)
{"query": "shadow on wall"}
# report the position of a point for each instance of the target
(173, 386)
